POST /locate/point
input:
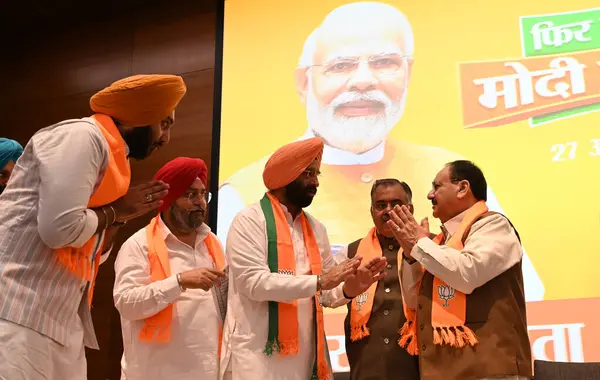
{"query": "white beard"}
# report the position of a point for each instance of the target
(354, 134)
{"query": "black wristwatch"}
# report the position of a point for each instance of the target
(409, 260)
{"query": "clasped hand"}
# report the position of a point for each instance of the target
(405, 228)
(367, 274)
(357, 278)
(139, 200)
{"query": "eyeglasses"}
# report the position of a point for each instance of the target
(380, 206)
(195, 197)
(380, 65)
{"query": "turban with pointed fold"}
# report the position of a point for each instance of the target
(10, 150)
(180, 174)
(289, 161)
(140, 100)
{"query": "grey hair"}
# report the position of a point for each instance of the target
(391, 182)
(310, 45)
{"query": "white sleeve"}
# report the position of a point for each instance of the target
(491, 248)
(69, 160)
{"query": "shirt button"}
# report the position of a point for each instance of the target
(387, 290)
(420, 306)
(389, 266)
(386, 312)
(386, 341)
(421, 327)
(390, 247)
(423, 347)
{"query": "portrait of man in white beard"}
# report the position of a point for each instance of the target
(357, 120)
(353, 77)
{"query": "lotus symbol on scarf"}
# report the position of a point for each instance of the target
(361, 299)
(445, 293)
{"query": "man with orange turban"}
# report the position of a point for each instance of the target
(165, 285)
(283, 273)
(68, 194)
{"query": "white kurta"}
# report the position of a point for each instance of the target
(252, 285)
(192, 352)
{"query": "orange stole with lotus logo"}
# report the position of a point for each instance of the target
(449, 306)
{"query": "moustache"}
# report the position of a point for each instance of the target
(434, 202)
(310, 189)
(198, 210)
(369, 96)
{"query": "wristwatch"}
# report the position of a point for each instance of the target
(409, 260)
(319, 284)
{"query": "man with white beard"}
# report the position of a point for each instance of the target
(353, 78)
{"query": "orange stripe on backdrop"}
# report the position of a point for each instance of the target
(560, 330)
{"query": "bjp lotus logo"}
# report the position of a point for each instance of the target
(361, 299)
(445, 293)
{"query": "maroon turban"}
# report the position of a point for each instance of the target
(289, 161)
(180, 174)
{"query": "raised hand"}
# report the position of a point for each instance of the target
(405, 228)
(338, 273)
(139, 200)
(367, 274)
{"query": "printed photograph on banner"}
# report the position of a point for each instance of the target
(352, 77)
(397, 90)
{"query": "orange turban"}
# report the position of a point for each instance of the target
(140, 100)
(289, 161)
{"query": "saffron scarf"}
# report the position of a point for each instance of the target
(283, 317)
(113, 186)
(362, 305)
(449, 306)
(157, 328)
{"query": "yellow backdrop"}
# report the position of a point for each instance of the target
(553, 204)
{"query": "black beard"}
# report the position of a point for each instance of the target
(2, 187)
(297, 194)
(186, 220)
(139, 141)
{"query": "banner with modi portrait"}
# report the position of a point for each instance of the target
(399, 88)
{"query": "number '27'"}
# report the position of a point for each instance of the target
(568, 150)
